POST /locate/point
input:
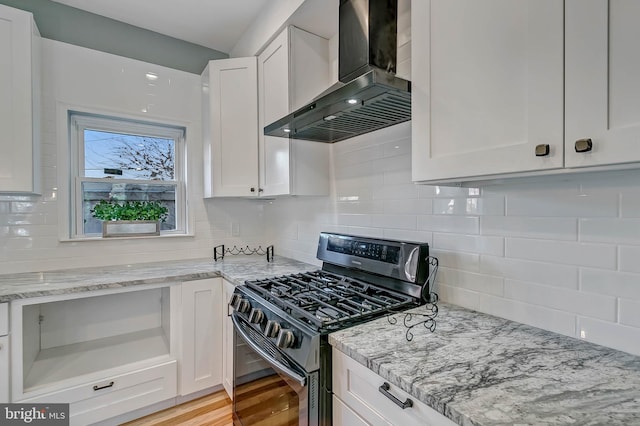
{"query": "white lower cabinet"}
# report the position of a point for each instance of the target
(114, 395)
(358, 399)
(201, 358)
(227, 338)
(4, 353)
(104, 352)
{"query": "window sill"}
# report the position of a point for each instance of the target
(143, 237)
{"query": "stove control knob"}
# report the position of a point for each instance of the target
(285, 339)
(235, 298)
(256, 316)
(243, 306)
(271, 329)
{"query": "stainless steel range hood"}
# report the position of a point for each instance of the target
(370, 96)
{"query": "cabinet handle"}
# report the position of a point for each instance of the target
(542, 150)
(584, 145)
(384, 389)
(97, 388)
(260, 189)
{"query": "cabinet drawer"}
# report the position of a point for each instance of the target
(4, 319)
(116, 395)
(358, 387)
(4, 369)
(344, 416)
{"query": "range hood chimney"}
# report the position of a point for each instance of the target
(369, 96)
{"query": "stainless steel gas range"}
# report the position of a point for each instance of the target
(282, 358)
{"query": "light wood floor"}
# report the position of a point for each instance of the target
(210, 410)
(270, 402)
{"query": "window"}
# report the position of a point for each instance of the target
(125, 160)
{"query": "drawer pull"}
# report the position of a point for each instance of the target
(97, 388)
(584, 145)
(542, 150)
(384, 389)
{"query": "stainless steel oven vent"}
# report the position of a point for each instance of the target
(369, 96)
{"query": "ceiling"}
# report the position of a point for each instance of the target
(216, 24)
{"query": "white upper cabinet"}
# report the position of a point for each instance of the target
(19, 102)
(230, 121)
(487, 87)
(602, 82)
(292, 70)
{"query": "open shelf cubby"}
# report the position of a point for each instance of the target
(66, 339)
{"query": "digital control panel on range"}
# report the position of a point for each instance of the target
(382, 252)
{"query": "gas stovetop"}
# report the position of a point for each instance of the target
(327, 301)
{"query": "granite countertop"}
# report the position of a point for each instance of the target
(236, 269)
(477, 369)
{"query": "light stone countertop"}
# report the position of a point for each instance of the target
(477, 369)
(236, 269)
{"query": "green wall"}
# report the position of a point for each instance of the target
(74, 26)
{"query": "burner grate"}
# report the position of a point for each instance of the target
(326, 300)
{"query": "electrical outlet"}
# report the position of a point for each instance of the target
(235, 229)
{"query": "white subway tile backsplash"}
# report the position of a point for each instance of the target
(558, 275)
(624, 231)
(445, 223)
(393, 221)
(586, 304)
(412, 206)
(395, 192)
(456, 259)
(469, 243)
(613, 335)
(629, 256)
(550, 319)
(487, 284)
(611, 283)
(630, 312)
(469, 206)
(630, 204)
(563, 252)
(563, 205)
(530, 227)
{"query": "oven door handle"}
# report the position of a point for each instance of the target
(302, 380)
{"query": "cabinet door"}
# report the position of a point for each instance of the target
(230, 121)
(487, 87)
(4, 369)
(602, 81)
(273, 90)
(292, 70)
(202, 335)
(227, 344)
(19, 93)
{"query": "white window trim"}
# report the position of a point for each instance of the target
(76, 120)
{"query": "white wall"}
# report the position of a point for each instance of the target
(555, 254)
(84, 79)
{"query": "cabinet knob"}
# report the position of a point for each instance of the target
(542, 150)
(584, 145)
(260, 190)
(253, 189)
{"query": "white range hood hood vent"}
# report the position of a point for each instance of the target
(369, 96)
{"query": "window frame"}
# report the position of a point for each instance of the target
(78, 121)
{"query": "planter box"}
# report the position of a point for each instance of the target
(130, 228)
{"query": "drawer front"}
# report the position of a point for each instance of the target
(4, 319)
(358, 387)
(116, 395)
(344, 416)
(4, 369)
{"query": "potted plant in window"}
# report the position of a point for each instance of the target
(130, 218)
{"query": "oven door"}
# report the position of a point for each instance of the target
(269, 389)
